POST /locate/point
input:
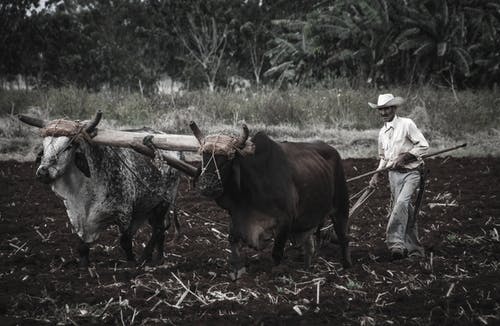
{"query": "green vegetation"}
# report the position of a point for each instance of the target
(339, 116)
(449, 114)
(203, 43)
(307, 68)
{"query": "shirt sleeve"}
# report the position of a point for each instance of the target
(420, 144)
(383, 161)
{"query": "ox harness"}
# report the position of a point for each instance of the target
(222, 145)
(65, 128)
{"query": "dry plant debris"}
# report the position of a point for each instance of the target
(457, 282)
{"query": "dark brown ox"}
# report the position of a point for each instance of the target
(274, 190)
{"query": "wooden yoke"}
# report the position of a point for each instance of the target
(171, 142)
(147, 148)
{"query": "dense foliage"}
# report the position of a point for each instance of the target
(133, 43)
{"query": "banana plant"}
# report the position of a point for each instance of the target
(434, 34)
(290, 52)
(484, 41)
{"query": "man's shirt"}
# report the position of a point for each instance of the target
(401, 135)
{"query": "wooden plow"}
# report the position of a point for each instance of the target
(364, 194)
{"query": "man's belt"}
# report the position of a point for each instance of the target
(405, 170)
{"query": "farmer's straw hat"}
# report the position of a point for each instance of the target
(386, 100)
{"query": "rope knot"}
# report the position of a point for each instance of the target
(65, 128)
(225, 145)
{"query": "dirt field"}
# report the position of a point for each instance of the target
(457, 283)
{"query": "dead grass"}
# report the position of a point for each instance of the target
(338, 116)
(455, 283)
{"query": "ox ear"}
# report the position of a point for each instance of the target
(82, 164)
(237, 174)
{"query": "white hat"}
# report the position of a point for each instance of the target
(385, 100)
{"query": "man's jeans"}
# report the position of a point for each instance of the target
(402, 227)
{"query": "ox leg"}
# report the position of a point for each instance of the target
(162, 226)
(83, 251)
(147, 254)
(279, 245)
(235, 261)
(159, 222)
(177, 226)
(126, 244)
(278, 251)
(309, 250)
(341, 226)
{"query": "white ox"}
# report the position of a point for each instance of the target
(101, 185)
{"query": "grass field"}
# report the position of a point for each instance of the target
(340, 117)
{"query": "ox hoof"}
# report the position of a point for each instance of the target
(155, 261)
(83, 263)
(237, 273)
(147, 261)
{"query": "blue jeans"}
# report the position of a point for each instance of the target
(401, 229)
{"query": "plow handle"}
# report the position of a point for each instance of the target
(423, 156)
(444, 150)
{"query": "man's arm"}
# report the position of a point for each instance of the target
(376, 177)
(381, 164)
(420, 144)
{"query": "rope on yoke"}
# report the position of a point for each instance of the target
(65, 128)
(204, 166)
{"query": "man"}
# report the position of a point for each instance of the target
(400, 146)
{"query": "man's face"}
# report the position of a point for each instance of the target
(387, 113)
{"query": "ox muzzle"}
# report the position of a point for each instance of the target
(43, 174)
(210, 185)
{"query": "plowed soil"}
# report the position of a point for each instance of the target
(457, 283)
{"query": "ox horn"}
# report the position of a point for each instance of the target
(32, 121)
(243, 138)
(89, 128)
(196, 131)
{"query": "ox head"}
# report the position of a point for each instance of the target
(61, 142)
(220, 167)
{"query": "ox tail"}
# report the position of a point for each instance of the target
(341, 194)
(341, 215)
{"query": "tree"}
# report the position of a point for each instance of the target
(353, 38)
(205, 42)
(254, 45)
(359, 38)
(292, 52)
(483, 41)
(434, 33)
(16, 37)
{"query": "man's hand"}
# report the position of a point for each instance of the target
(374, 180)
(403, 159)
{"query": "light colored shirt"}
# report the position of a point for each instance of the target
(401, 135)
